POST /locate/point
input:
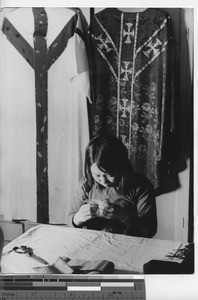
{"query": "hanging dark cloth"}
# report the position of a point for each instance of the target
(132, 78)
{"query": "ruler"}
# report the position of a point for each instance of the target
(40, 287)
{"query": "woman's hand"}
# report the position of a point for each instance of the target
(108, 212)
(82, 215)
(100, 208)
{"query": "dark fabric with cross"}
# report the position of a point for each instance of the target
(40, 59)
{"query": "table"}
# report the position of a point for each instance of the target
(51, 242)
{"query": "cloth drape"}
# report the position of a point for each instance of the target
(132, 85)
(64, 115)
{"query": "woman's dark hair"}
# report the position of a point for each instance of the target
(111, 156)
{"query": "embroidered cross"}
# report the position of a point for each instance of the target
(153, 47)
(103, 43)
(124, 108)
(126, 70)
(129, 33)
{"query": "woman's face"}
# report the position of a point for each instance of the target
(103, 178)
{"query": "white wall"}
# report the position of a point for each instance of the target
(172, 211)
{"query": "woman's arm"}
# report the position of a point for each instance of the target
(78, 201)
(80, 211)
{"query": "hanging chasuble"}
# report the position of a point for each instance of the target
(131, 74)
(43, 102)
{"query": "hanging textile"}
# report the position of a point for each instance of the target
(43, 102)
(131, 74)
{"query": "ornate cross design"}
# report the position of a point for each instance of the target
(124, 108)
(103, 43)
(153, 46)
(126, 70)
(129, 33)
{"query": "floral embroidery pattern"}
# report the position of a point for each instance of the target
(131, 92)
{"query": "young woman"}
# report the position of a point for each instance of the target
(111, 196)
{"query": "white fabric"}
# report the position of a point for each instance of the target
(51, 242)
(68, 132)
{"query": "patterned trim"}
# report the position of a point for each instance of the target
(110, 66)
(100, 51)
(41, 96)
(16, 39)
(151, 37)
(150, 61)
(61, 41)
(119, 70)
(162, 112)
(110, 39)
(133, 78)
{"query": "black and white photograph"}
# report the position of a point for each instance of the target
(97, 140)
